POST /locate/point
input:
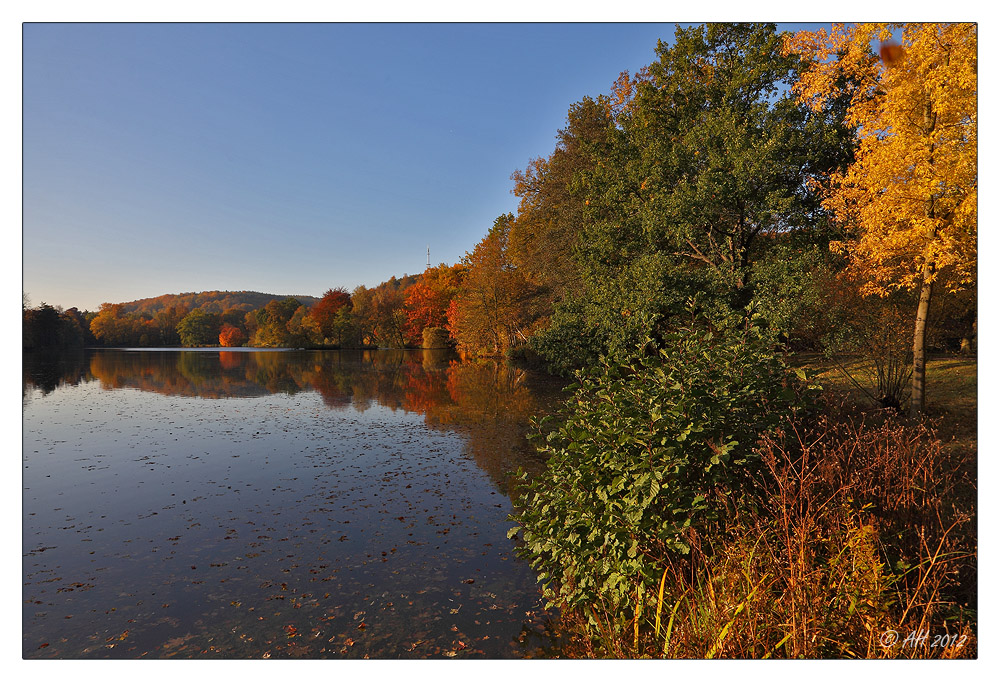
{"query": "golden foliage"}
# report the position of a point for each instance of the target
(493, 309)
(909, 198)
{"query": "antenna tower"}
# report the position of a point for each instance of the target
(428, 255)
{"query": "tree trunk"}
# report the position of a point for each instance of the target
(919, 339)
(926, 284)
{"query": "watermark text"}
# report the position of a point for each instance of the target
(921, 638)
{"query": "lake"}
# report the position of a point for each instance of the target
(276, 504)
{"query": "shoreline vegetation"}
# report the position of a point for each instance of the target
(828, 535)
(756, 258)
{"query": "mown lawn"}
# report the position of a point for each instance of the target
(951, 389)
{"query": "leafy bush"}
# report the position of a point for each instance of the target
(647, 449)
(570, 341)
(622, 307)
(790, 288)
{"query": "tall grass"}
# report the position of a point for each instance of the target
(861, 525)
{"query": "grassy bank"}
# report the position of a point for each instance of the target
(951, 390)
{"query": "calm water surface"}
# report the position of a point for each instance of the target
(276, 504)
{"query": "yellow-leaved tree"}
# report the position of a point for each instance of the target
(908, 201)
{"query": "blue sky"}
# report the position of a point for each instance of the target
(285, 158)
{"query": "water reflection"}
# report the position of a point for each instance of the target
(293, 504)
(488, 401)
(45, 370)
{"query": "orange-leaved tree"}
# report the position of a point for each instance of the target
(908, 201)
(230, 336)
(325, 312)
(427, 301)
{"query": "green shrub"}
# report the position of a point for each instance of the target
(646, 449)
(571, 340)
(621, 308)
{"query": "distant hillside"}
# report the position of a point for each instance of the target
(211, 301)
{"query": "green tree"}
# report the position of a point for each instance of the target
(699, 158)
(722, 151)
(48, 327)
(199, 328)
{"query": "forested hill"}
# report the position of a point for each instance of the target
(211, 301)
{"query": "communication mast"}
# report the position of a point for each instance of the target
(428, 255)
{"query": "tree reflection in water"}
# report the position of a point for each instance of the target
(490, 402)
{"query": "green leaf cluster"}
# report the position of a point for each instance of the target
(644, 453)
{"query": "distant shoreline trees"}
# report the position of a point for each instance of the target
(47, 327)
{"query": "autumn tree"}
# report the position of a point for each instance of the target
(112, 326)
(492, 310)
(303, 329)
(427, 301)
(389, 316)
(553, 195)
(325, 312)
(231, 336)
(362, 317)
(167, 320)
(908, 201)
(270, 323)
(234, 317)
